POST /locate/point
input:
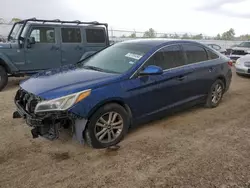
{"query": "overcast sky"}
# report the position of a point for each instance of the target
(194, 16)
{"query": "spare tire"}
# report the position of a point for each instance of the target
(3, 78)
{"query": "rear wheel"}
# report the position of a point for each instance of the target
(3, 78)
(107, 127)
(215, 94)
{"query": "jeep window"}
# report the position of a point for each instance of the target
(16, 31)
(244, 44)
(71, 35)
(195, 53)
(117, 58)
(43, 34)
(95, 35)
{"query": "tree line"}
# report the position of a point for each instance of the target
(227, 35)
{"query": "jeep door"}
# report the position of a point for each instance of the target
(71, 44)
(45, 53)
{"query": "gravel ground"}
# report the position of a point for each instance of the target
(197, 148)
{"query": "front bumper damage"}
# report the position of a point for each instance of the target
(49, 125)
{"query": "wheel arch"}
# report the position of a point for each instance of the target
(4, 65)
(223, 79)
(118, 101)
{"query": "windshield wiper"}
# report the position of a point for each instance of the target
(97, 69)
(93, 68)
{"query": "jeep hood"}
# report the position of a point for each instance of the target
(5, 45)
(63, 81)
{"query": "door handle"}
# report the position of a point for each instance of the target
(78, 47)
(54, 48)
(211, 69)
(180, 78)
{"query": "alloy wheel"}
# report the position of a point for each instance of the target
(217, 93)
(108, 127)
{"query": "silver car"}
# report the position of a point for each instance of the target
(242, 65)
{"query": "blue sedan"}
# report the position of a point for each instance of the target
(130, 82)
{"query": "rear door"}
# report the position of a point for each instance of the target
(204, 64)
(71, 44)
(95, 40)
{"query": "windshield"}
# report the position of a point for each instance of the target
(15, 32)
(118, 58)
(244, 44)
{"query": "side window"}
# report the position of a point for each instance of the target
(43, 34)
(194, 53)
(211, 55)
(95, 35)
(168, 57)
(71, 35)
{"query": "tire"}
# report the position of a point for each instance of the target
(210, 103)
(3, 78)
(92, 133)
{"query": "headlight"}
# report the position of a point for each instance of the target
(62, 103)
(248, 51)
(237, 62)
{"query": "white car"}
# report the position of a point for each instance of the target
(242, 65)
(240, 50)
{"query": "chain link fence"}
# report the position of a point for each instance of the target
(122, 35)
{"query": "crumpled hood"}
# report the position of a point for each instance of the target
(4, 45)
(64, 81)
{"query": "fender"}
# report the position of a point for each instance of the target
(86, 54)
(8, 63)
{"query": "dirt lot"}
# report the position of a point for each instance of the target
(198, 148)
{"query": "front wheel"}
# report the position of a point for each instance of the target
(3, 78)
(107, 126)
(215, 94)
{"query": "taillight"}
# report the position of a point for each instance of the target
(230, 63)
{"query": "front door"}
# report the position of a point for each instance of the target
(154, 93)
(72, 45)
(45, 53)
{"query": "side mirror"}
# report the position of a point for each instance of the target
(31, 40)
(151, 70)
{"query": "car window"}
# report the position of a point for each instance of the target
(194, 53)
(168, 57)
(216, 47)
(43, 34)
(244, 44)
(71, 35)
(117, 58)
(95, 35)
(211, 55)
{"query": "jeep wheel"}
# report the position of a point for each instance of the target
(215, 94)
(3, 78)
(107, 126)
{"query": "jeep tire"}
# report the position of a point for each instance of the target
(3, 78)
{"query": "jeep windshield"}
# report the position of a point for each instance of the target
(15, 32)
(244, 44)
(117, 58)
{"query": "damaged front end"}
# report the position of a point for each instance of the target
(46, 124)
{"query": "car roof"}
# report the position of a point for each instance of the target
(153, 42)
